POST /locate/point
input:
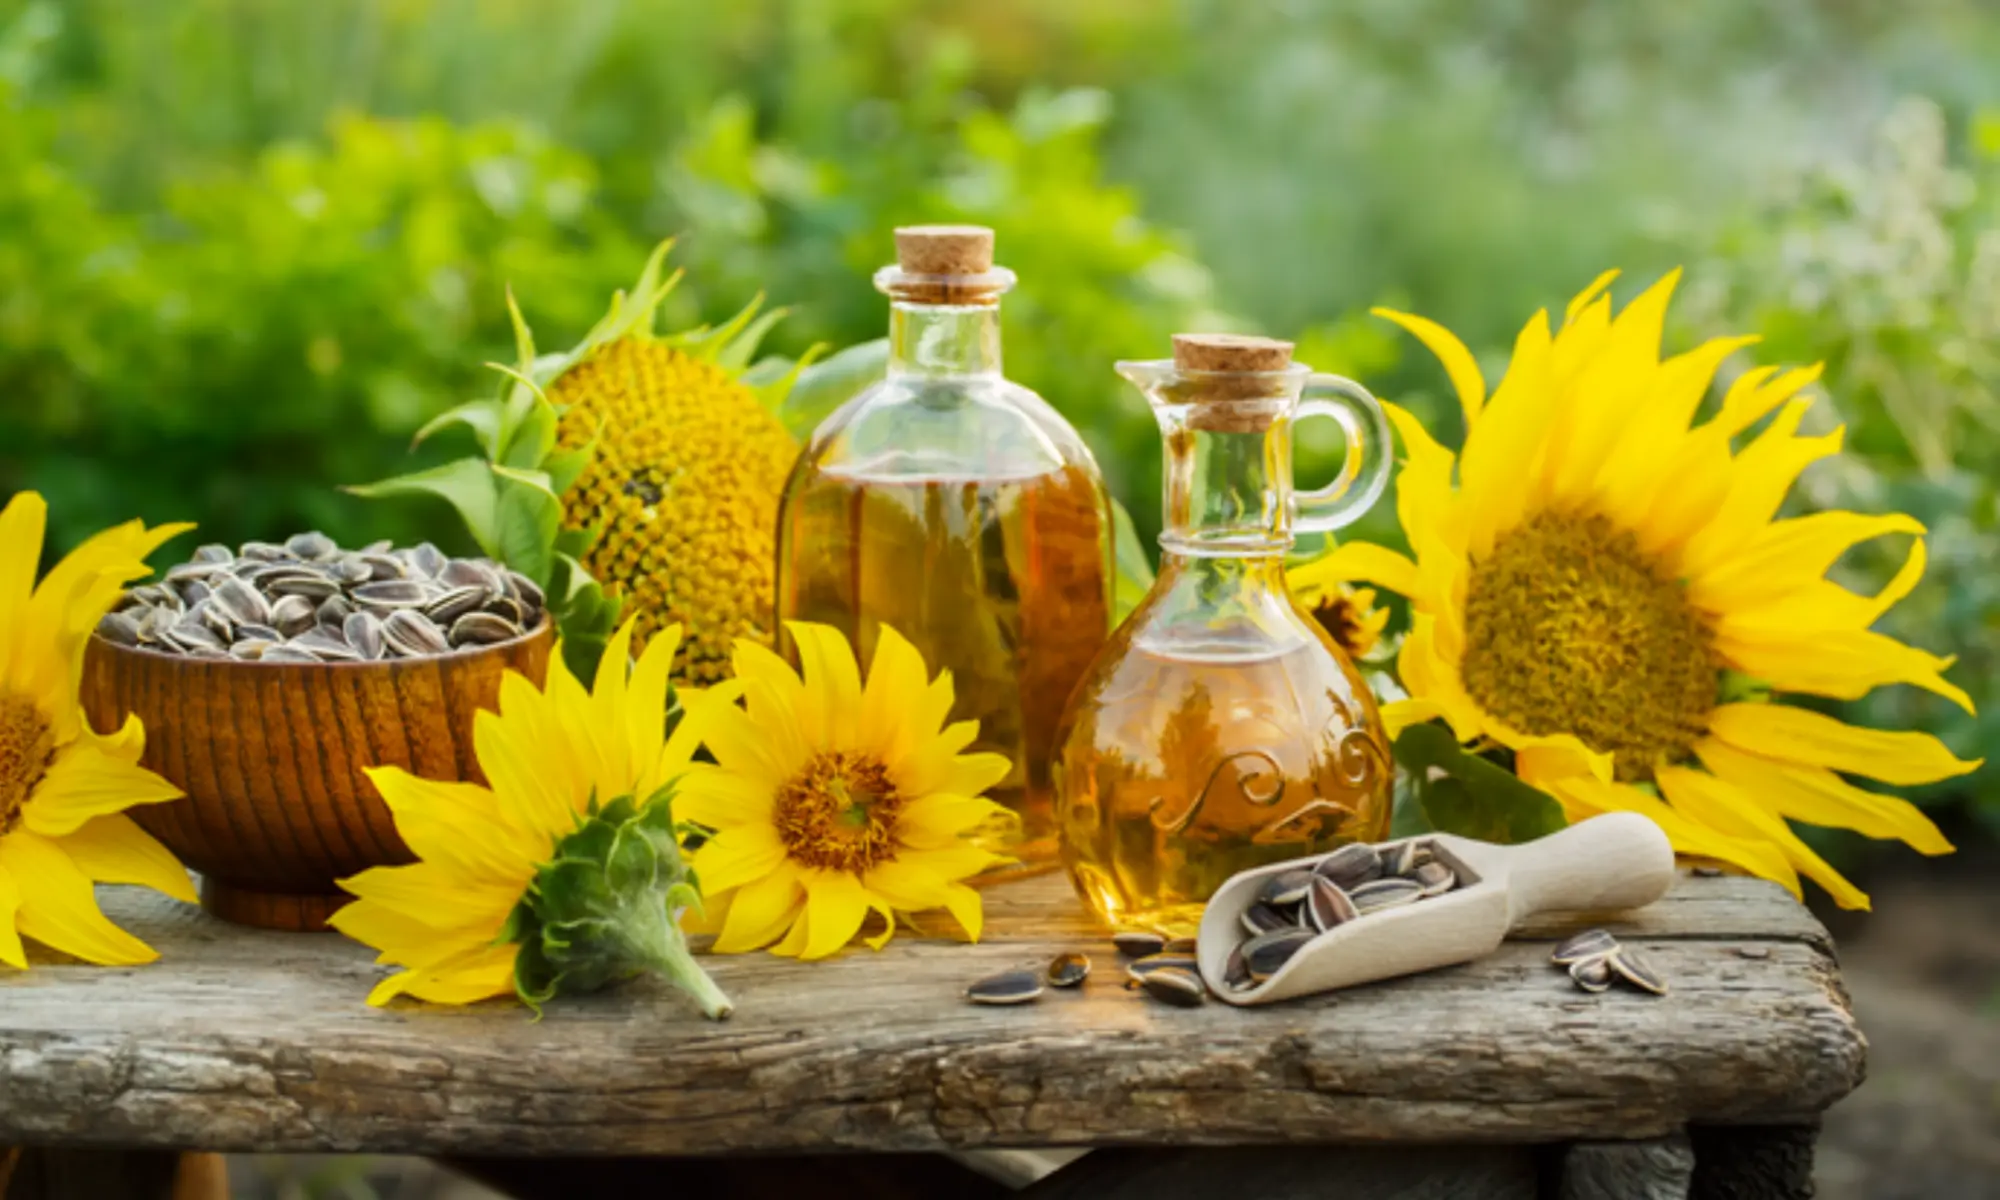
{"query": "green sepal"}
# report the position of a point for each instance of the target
(586, 617)
(604, 908)
(1469, 795)
(482, 417)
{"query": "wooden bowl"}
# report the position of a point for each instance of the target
(271, 758)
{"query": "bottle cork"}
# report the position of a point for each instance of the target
(944, 249)
(1234, 381)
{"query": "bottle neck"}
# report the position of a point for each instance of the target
(1210, 606)
(1228, 491)
(938, 340)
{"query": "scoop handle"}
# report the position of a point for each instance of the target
(1616, 860)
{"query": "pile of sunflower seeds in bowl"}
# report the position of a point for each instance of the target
(308, 601)
(1294, 907)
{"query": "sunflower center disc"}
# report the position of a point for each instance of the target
(839, 813)
(1571, 628)
(25, 749)
(1339, 616)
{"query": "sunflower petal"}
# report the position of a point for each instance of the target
(469, 976)
(1724, 806)
(941, 815)
(1583, 796)
(833, 681)
(11, 951)
(967, 909)
(738, 856)
(897, 681)
(760, 912)
(1509, 435)
(58, 906)
(1796, 735)
(21, 526)
(1458, 362)
(1351, 561)
(1817, 796)
(1844, 664)
(114, 849)
(838, 904)
(1788, 553)
(85, 782)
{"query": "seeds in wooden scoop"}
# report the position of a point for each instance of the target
(1262, 918)
(1235, 971)
(1286, 889)
(1068, 969)
(1266, 953)
(1177, 987)
(1591, 943)
(1351, 865)
(1385, 893)
(1329, 905)
(1434, 877)
(1399, 859)
(1626, 963)
(1138, 943)
(1591, 974)
(1008, 987)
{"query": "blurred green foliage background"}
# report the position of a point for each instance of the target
(248, 246)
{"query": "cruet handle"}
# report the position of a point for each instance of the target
(1364, 472)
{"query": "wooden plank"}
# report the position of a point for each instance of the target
(244, 1039)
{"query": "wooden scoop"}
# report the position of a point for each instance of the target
(1618, 860)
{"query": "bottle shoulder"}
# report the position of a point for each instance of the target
(986, 426)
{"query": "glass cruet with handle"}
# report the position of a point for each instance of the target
(1220, 727)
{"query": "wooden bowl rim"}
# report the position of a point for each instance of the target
(460, 653)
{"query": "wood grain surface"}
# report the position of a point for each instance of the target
(243, 1039)
(272, 755)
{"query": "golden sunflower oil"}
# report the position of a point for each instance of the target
(962, 510)
(1221, 728)
(1001, 580)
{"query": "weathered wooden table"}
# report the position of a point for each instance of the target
(1496, 1079)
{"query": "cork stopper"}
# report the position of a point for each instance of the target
(1236, 383)
(945, 264)
(1230, 352)
(944, 249)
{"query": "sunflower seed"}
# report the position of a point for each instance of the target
(190, 635)
(467, 572)
(350, 571)
(1591, 943)
(313, 547)
(1068, 969)
(526, 590)
(1179, 945)
(261, 551)
(193, 591)
(258, 633)
(1008, 987)
(1399, 859)
(303, 581)
(1138, 943)
(1434, 877)
(324, 643)
(120, 628)
(1385, 893)
(1235, 971)
(214, 553)
(181, 572)
(482, 629)
(1286, 889)
(251, 649)
(1266, 953)
(1591, 974)
(1626, 963)
(392, 594)
(425, 559)
(1262, 918)
(333, 611)
(411, 636)
(1329, 905)
(1176, 987)
(363, 631)
(1351, 865)
(211, 614)
(1708, 872)
(288, 654)
(455, 603)
(383, 567)
(1139, 968)
(509, 610)
(1753, 952)
(241, 602)
(292, 615)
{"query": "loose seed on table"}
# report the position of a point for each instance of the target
(1627, 964)
(1591, 974)
(1068, 969)
(1177, 987)
(1138, 943)
(1591, 943)
(1008, 987)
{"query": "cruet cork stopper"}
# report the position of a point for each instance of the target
(944, 249)
(1231, 379)
(1229, 352)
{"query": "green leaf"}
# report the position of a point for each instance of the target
(482, 417)
(564, 466)
(468, 484)
(1470, 796)
(1134, 566)
(831, 382)
(526, 518)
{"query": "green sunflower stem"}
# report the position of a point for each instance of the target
(654, 938)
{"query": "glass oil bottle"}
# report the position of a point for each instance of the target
(962, 510)
(1220, 728)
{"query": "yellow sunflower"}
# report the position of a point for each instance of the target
(1602, 586)
(551, 757)
(1347, 613)
(831, 799)
(63, 786)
